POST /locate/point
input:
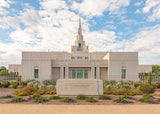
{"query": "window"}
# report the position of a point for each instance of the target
(79, 74)
(79, 58)
(72, 57)
(73, 74)
(79, 46)
(35, 73)
(86, 57)
(123, 73)
(86, 74)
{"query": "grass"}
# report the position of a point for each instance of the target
(17, 100)
(120, 100)
(104, 97)
(67, 100)
(54, 97)
(91, 99)
(81, 97)
(6, 97)
(127, 97)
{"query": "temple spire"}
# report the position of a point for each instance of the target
(79, 29)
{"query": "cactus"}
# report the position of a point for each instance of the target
(149, 78)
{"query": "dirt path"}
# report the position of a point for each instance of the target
(78, 109)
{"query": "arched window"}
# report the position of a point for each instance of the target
(79, 46)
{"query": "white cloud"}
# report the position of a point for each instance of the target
(138, 11)
(4, 4)
(152, 6)
(139, 3)
(92, 8)
(146, 43)
(6, 22)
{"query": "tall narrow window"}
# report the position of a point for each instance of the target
(35, 73)
(73, 74)
(79, 74)
(79, 46)
(123, 73)
(86, 74)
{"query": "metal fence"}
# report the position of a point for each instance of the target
(153, 78)
(8, 78)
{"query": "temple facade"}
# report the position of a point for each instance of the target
(78, 64)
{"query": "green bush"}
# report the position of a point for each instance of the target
(5, 84)
(91, 99)
(81, 97)
(6, 96)
(54, 97)
(22, 93)
(147, 88)
(105, 97)
(17, 100)
(23, 83)
(67, 100)
(15, 85)
(49, 82)
(147, 99)
(158, 85)
(120, 100)
(158, 100)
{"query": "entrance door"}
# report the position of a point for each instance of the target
(79, 74)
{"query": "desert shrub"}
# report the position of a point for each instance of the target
(81, 97)
(36, 85)
(104, 97)
(67, 100)
(34, 96)
(147, 88)
(120, 100)
(147, 99)
(15, 85)
(127, 97)
(0, 85)
(54, 97)
(123, 91)
(137, 91)
(23, 83)
(6, 96)
(17, 100)
(50, 87)
(108, 91)
(49, 82)
(30, 90)
(22, 93)
(158, 85)
(39, 93)
(90, 99)
(136, 85)
(30, 84)
(5, 84)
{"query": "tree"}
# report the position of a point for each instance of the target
(149, 78)
(3, 71)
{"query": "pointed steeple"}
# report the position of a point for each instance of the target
(80, 29)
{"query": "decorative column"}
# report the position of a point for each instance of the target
(66, 72)
(92, 72)
(61, 72)
(98, 73)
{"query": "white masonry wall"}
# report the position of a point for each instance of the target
(36, 60)
(123, 60)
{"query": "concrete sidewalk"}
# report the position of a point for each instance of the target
(78, 109)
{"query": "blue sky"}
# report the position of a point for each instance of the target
(116, 25)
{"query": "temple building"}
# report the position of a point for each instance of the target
(78, 64)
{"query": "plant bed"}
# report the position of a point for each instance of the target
(38, 99)
(6, 97)
(104, 97)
